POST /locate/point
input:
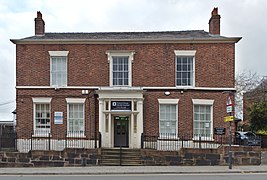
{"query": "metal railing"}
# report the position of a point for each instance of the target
(171, 142)
(56, 140)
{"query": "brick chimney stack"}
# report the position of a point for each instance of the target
(39, 25)
(214, 22)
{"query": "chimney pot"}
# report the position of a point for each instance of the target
(214, 12)
(39, 14)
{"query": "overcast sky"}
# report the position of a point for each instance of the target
(239, 18)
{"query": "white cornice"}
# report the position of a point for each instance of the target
(107, 88)
(124, 41)
(191, 88)
(57, 88)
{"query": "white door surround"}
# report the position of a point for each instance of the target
(122, 103)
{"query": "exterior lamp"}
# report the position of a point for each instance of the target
(167, 93)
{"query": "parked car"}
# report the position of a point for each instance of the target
(247, 139)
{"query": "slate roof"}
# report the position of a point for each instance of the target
(128, 36)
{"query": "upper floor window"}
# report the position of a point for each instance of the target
(120, 67)
(120, 71)
(58, 68)
(185, 70)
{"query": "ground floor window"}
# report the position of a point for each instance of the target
(168, 118)
(76, 121)
(202, 123)
(42, 116)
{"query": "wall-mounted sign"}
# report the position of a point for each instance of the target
(58, 117)
(121, 105)
(219, 131)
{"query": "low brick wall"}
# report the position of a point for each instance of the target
(38, 158)
(202, 157)
(91, 157)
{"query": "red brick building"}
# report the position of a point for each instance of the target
(123, 84)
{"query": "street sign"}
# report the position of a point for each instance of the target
(228, 118)
(229, 109)
(229, 105)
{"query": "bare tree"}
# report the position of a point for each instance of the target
(245, 82)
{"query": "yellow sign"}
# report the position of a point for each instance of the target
(228, 118)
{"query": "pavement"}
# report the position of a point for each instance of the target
(105, 170)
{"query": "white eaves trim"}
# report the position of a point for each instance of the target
(126, 41)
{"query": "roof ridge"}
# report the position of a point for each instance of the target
(122, 32)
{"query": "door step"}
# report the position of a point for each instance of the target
(120, 157)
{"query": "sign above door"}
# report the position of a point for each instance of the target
(121, 105)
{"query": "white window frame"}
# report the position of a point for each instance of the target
(185, 53)
(206, 102)
(75, 101)
(58, 54)
(37, 132)
(130, 55)
(169, 102)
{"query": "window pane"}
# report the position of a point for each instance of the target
(76, 118)
(120, 71)
(184, 71)
(42, 118)
(167, 118)
(59, 71)
(202, 120)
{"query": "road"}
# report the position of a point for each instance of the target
(224, 176)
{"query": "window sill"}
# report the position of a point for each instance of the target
(41, 135)
(76, 136)
(168, 137)
(196, 138)
(58, 87)
(185, 87)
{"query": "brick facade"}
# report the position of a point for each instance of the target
(153, 72)
(154, 64)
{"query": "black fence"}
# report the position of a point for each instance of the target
(24, 141)
(171, 142)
